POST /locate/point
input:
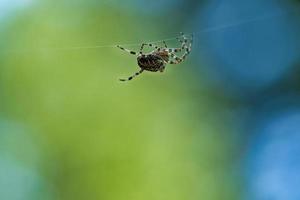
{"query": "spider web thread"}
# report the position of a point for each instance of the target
(205, 30)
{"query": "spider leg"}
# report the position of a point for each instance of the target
(180, 59)
(150, 45)
(177, 59)
(127, 50)
(165, 44)
(175, 50)
(187, 44)
(131, 77)
(183, 42)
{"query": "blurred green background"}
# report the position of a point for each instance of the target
(70, 130)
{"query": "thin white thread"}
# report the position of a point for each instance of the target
(236, 24)
(110, 46)
(206, 30)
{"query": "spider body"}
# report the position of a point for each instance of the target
(158, 59)
(153, 62)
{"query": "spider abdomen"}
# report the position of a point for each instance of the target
(151, 62)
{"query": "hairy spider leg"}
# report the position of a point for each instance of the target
(180, 59)
(183, 41)
(176, 50)
(177, 59)
(131, 77)
(150, 45)
(186, 40)
(127, 50)
(166, 46)
(184, 37)
(183, 44)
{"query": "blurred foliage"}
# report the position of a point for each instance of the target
(161, 136)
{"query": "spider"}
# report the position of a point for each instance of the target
(157, 59)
